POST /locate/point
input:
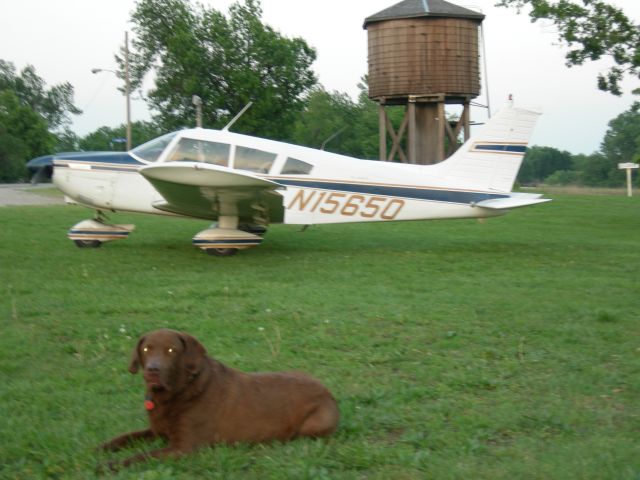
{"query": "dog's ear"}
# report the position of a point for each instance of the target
(134, 365)
(194, 353)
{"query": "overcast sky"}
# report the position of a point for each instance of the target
(65, 39)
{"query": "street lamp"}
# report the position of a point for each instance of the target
(127, 85)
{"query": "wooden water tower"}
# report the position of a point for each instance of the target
(423, 54)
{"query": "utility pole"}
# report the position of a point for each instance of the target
(127, 88)
(197, 101)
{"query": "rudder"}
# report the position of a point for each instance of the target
(491, 159)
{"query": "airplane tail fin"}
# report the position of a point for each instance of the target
(491, 159)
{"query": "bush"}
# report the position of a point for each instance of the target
(563, 177)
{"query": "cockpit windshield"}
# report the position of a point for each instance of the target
(151, 150)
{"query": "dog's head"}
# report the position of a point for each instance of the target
(169, 359)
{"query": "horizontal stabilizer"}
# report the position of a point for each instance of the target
(516, 200)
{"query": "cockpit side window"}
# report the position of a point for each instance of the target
(253, 160)
(294, 166)
(152, 150)
(190, 150)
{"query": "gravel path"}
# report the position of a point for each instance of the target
(24, 194)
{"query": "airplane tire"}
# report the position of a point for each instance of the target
(222, 252)
(87, 243)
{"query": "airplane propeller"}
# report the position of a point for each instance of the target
(41, 169)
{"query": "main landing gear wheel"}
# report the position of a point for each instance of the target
(87, 243)
(222, 252)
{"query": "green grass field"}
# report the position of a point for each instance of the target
(457, 350)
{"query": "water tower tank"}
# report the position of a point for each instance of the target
(425, 52)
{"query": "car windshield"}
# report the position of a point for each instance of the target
(151, 150)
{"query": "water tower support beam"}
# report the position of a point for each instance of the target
(465, 118)
(462, 125)
(382, 130)
(424, 127)
(397, 139)
(413, 130)
(384, 126)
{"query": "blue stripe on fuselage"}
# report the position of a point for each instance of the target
(501, 148)
(417, 193)
(118, 158)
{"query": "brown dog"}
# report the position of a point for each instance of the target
(194, 400)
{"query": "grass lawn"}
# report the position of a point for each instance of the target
(457, 350)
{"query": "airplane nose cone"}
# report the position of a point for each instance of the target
(39, 162)
(41, 168)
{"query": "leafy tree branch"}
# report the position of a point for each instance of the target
(592, 29)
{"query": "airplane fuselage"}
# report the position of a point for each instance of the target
(336, 188)
(246, 183)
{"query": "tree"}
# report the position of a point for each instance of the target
(324, 120)
(622, 141)
(196, 50)
(334, 122)
(54, 105)
(34, 119)
(540, 162)
(592, 29)
(343, 126)
(23, 135)
(596, 170)
(621, 144)
(563, 177)
(103, 138)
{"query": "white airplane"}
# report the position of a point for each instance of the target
(246, 183)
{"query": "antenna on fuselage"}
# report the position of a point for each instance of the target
(324, 144)
(234, 119)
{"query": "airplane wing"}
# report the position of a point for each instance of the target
(207, 191)
(515, 200)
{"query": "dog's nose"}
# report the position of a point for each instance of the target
(153, 367)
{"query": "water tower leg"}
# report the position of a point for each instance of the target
(428, 139)
(414, 135)
(382, 130)
(465, 121)
(441, 121)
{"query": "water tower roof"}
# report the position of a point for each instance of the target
(423, 8)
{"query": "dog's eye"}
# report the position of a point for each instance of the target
(170, 350)
(145, 349)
